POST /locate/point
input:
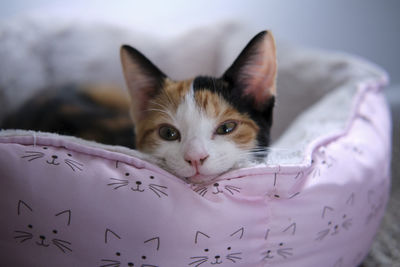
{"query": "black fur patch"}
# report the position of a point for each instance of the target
(244, 104)
(70, 111)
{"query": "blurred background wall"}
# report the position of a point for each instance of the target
(368, 28)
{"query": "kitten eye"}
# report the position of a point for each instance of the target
(118, 254)
(144, 257)
(206, 250)
(229, 248)
(169, 133)
(226, 127)
(30, 226)
(55, 231)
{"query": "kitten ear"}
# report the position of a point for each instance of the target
(253, 74)
(143, 79)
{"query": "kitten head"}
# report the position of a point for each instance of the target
(202, 127)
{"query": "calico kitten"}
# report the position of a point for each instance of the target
(197, 128)
(202, 127)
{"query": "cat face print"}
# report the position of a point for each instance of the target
(321, 163)
(138, 183)
(35, 234)
(336, 222)
(53, 158)
(376, 204)
(202, 127)
(224, 255)
(130, 256)
(279, 249)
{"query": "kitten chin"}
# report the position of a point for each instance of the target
(203, 127)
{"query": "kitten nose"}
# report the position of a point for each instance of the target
(196, 159)
(42, 237)
(195, 153)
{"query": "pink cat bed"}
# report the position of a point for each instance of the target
(317, 201)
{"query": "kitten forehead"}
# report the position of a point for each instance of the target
(192, 119)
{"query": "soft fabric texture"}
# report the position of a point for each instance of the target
(317, 201)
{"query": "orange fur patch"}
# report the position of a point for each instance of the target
(157, 113)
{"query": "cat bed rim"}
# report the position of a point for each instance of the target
(139, 160)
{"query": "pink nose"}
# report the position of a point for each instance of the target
(196, 160)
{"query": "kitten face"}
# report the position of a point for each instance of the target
(200, 128)
(211, 135)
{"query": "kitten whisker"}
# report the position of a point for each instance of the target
(161, 111)
(153, 102)
(163, 108)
